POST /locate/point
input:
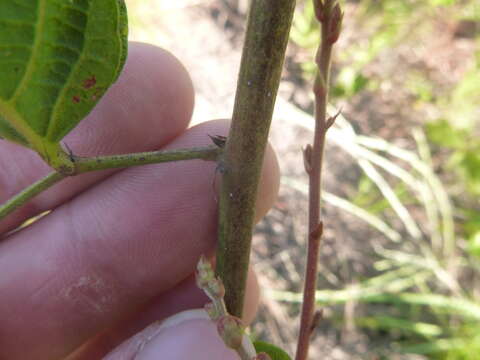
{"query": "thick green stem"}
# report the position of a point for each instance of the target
(262, 59)
(83, 165)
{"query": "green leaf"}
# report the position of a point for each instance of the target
(274, 352)
(57, 59)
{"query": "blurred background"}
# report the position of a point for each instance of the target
(400, 265)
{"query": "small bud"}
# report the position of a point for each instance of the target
(335, 25)
(204, 273)
(319, 10)
(231, 330)
(317, 232)
(317, 316)
(216, 288)
(201, 280)
(211, 311)
(203, 264)
(307, 158)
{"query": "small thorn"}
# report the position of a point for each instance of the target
(319, 10)
(70, 152)
(218, 140)
(307, 158)
(331, 119)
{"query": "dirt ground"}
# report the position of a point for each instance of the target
(206, 37)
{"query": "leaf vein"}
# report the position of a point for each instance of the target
(35, 48)
(67, 83)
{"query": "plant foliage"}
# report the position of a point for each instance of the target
(57, 59)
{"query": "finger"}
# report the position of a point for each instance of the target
(114, 247)
(185, 336)
(183, 297)
(147, 107)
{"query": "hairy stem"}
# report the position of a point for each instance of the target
(262, 59)
(330, 16)
(83, 165)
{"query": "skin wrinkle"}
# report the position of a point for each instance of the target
(40, 291)
(91, 292)
(98, 284)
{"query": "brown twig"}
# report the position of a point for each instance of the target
(330, 16)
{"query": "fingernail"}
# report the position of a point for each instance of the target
(188, 335)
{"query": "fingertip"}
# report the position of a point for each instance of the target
(269, 183)
(252, 298)
(187, 335)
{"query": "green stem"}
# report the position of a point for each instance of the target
(261, 66)
(83, 165)
(30, 192)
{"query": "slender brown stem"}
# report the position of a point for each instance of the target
(262, 59)
(329, 14)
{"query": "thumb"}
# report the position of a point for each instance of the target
(184, 336)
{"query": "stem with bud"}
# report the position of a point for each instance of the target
(229, 327)
(330, 16)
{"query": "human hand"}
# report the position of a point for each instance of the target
(119, 249)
